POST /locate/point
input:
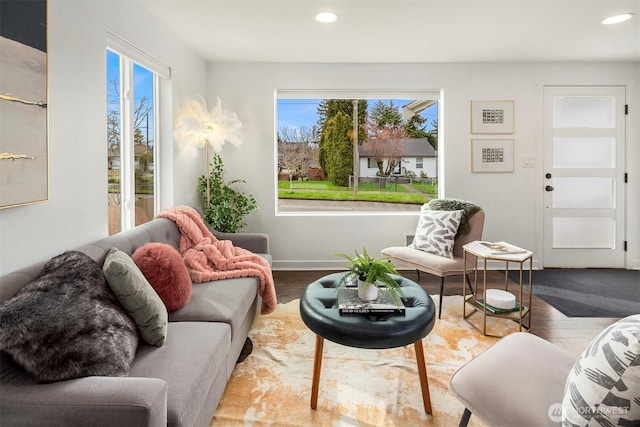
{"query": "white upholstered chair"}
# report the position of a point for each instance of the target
(438, 265)
(516, 382)
(524, 380)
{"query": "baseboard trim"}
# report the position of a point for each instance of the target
(293, 265)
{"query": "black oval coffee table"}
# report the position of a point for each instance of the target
(319, 311)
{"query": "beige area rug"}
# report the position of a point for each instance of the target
(358, 387)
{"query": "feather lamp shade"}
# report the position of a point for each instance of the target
(197, 127)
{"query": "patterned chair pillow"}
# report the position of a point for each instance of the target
(603, 388)
(436, 231)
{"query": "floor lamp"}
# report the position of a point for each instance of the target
(197, 126)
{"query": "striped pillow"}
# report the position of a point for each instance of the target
(603, 388)
(436, 231)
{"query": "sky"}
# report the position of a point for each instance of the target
(295, 113)
(142, 85)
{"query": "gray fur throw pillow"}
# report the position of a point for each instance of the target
(67, 323)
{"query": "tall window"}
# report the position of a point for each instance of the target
(379, 149)
(132, 137)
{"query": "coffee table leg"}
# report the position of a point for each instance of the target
(422, 373)
(317, 365)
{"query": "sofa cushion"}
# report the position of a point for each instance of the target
(137, 296)
(95, 401)
(225, 301)
(67, 323)
(164, 268)
(436, 231)
(603, 388)
(193, 355)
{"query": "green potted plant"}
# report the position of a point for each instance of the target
(371, 274)
(227, 206)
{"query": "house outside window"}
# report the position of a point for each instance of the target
(414, 157)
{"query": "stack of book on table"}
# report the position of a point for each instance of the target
(503, 248)
(350, 303)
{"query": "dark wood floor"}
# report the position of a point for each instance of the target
(571, 333)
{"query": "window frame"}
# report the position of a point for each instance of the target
(129, 56)
(373, 94)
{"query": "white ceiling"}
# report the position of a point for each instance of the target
(399, 31)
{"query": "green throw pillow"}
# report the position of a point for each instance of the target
(137, 296)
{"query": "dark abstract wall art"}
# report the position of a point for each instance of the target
(23, 102)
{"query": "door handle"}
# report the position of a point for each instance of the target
(548, 188)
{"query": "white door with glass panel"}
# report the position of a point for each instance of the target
(584, 141)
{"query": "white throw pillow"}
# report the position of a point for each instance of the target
(436, 231)
(603, 388)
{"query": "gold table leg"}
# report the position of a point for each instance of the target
(317, 366)
(422, 373)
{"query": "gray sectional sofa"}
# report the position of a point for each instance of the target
(178, 384)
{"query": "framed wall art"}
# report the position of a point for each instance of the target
(24, 173)
(492, 155)
(492, 116)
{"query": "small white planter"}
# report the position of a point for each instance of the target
(368, 292)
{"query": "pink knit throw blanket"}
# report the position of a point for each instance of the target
(208, 258)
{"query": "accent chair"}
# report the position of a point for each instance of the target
(524, 380)
(437, 265)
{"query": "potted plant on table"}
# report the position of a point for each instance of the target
(371, 274)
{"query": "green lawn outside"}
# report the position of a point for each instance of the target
(425, 187)
(310, 185)
(370, 192)
(326, 186)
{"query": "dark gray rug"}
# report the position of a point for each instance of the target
(587, 292)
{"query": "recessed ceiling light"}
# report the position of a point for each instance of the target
(618, 19)
(326, 17)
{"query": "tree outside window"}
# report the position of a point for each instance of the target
(317, 158)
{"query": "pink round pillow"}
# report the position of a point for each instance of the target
(163, 267)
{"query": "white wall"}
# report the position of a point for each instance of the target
(76, 212)
(513, 202)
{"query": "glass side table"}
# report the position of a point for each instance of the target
(507, 253)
